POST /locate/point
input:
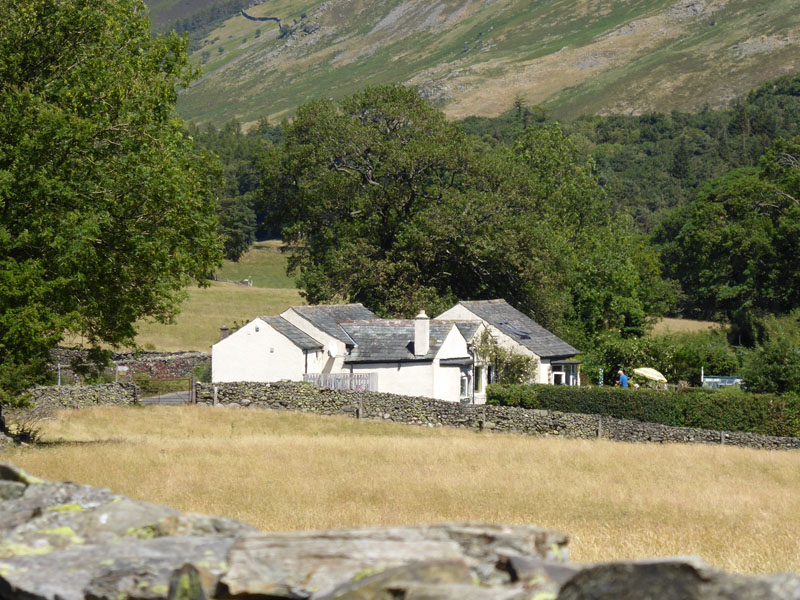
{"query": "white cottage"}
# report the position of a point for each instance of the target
(513, 329)
(302, 340)
(413, 357)
(410, 357)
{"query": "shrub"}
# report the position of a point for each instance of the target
(678, 356)
(733, 410)
(773, 366)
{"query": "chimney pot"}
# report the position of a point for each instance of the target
(223, 333)
(422, 334)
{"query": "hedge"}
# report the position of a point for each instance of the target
(703, 409)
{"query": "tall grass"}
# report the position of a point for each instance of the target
(737, 508)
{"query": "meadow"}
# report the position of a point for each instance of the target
(737, 508)
(224, 303)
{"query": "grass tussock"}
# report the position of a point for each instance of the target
(737, 508)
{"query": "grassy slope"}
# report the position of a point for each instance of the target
(578, 56)
(163, 12)
(223, 303)
(737, 508)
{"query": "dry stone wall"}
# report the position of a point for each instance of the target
(82, 396)
(435, 413)
(162, 365)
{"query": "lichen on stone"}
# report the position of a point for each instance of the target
(69, 507)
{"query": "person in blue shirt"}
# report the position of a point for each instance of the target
(623, 379)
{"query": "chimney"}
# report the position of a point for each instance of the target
(223, 333)
(422, 334)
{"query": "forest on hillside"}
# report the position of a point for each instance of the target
(593, 226)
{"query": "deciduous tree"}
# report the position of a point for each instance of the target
(105, 208)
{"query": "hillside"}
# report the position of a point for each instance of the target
(475, 57)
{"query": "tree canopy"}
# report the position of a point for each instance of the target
(735, 248)
(385, 202)
(105, 204)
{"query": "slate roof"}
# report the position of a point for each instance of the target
(520, 328)
(296, 336)
(391, 340)
(467, 328)
(326, 317)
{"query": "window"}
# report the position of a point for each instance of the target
(480, 380)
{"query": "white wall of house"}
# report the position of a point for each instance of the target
(453, 346)
(326, 363)
(447, 383)
(458, 313)
(407, 378)
(461, 313)
(256, 352)
(447, 379)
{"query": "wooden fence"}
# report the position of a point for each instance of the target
(362, 382)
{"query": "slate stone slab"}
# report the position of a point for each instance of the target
(132, 568)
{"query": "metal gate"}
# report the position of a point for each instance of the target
(167, 390)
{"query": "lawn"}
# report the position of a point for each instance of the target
(668, 325)
(737, 508)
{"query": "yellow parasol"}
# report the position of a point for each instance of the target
(648, 373)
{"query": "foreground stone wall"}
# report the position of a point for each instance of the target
(82, 396)
(436, 413)
(65, 541)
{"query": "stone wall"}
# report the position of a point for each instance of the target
(82, 396)
(435, 413)
(161, 365)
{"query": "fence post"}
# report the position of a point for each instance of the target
(599, 426)
(215, 396)
(192, 391)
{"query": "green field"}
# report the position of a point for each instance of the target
(264, 263)
(226, 304)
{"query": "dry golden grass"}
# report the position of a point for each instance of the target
(737, 508)
(667, 325)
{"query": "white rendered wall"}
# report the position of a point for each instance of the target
(453, 346)
(256, 352)
(407, 378)
(458, 313)
(447, 382)
(461, 313)
(325, 363)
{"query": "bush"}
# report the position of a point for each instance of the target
(678, 356)
(733, 410)
(773, 366)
